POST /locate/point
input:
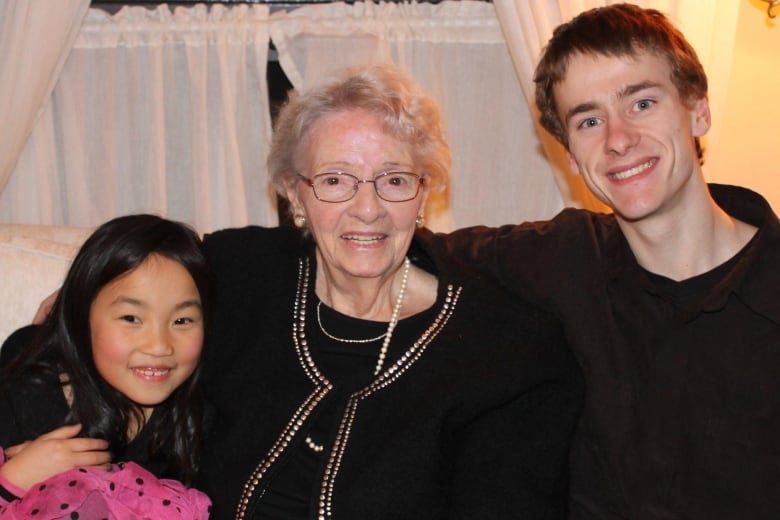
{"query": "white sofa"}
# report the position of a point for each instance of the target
(33, 263)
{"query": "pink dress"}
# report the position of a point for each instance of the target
(128, 492)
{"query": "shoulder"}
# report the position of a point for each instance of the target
(252, 246)
(251, 237)
(484, 300)
(569, 225)
(30, 407)
(253, 268)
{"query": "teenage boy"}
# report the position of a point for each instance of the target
(672, 302)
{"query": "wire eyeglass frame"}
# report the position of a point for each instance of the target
(356, 182)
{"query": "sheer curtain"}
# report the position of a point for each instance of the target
(167, 110)
(157, 110)
(709, 26)
(456, 50)
(34, 42)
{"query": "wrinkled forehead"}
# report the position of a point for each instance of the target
(354, 137)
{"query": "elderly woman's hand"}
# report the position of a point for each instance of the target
(44, 309)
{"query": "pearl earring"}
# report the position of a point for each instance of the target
(419, 221)
(299, 221)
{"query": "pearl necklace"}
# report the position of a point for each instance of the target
(344, 340)
(393, 318)
(313, 446)
(388, 335)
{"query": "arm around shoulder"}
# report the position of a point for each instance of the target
(539, 261)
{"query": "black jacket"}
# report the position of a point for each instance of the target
(473, 420)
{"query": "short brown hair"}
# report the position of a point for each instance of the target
(615, 30)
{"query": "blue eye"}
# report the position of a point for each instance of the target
(589, 122)
(644, 104)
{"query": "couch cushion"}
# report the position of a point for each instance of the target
(31, 269)
(61, 234)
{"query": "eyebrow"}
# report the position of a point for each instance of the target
(623, 93)
(189, 303)
(139, 303)
(386, 166)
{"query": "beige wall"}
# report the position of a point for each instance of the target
(749, 149)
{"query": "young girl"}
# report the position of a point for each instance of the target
(103, 407)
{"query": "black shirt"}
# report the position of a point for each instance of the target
(682, 415)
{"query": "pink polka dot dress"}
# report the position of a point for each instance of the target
(128, 492)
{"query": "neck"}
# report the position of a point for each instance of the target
(364, 298)
(686, 243)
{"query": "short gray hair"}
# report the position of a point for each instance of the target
(408, 114)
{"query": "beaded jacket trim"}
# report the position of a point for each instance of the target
(323, 386)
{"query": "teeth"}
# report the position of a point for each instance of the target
(633, 171)
(364, 239)
(153, 372)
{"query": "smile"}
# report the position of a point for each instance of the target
(152, 373)
(636, 170)
(364, 239)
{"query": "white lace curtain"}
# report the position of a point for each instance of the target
(34, 42)
(167, 110)
(160, 110)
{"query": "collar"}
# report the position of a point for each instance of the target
(753, 279)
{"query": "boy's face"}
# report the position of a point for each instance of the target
(631, 137)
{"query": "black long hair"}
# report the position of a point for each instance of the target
(63, 346)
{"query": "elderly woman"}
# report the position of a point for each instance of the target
(357, 377)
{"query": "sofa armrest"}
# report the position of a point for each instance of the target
(33, 263)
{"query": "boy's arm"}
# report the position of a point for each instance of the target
(540, 261)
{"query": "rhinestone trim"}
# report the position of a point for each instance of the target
(390, 375)
(312, 401)
(386, 377)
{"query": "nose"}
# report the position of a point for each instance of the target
(157, 342)
(366, 204)
(621, 136)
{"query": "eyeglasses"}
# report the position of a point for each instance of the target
(341, 186)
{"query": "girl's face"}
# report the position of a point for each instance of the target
(147, 331)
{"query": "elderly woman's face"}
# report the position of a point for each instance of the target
(365, 236)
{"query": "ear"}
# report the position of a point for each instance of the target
(291, 189)
(573, 166)
(426, 190)
(701, 119)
